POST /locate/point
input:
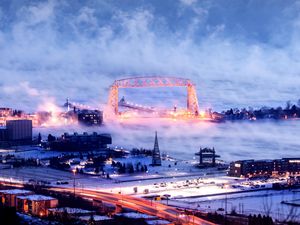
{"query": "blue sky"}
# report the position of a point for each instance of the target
(239, 53)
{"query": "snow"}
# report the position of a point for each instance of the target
(136, 215)
(157, 222)
(70, 210)
(15, 191)
(37, 198)
(96, 218)
(34, 220)
(258, 202)
(27, 152)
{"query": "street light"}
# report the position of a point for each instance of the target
(74, 174)
(167, 196)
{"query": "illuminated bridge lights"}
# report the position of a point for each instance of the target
(192, 109)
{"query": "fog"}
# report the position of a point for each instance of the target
(238, 53)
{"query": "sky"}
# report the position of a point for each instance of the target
(238, 53)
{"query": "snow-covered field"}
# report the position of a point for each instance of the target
(265, 202)
(30, 152)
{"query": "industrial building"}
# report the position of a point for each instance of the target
(9, 197)
(253, 168)
(19, 130)
(28, 202)
(3, 134)
(81, 142)
(5, 112)
(90, 117)
(36, 204)
(16, 132)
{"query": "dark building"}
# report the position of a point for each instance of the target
(19, 130)
(3, 134)
(5, 112)
(90, 117)
(16, 132)
(252, 168)
(81, 142)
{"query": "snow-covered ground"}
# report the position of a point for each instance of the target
(187, 185)
(30, 152)
(265, 202)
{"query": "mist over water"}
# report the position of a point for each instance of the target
(232, 140)
(238, 53)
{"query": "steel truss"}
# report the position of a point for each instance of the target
(153, 82)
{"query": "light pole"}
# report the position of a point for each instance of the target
(74, 175)
(167, 196)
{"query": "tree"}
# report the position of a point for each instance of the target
(80, 155)
(39, 138)
(97, 170)
(51, 138)
(91, 220)
(130, 168)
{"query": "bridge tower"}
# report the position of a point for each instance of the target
(156, 160)
(113, 98)
(192, 100)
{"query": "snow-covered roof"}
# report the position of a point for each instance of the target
(157, 222)
(70, 210)
(96, 218)
(37, 197)
(15, 191)
(136, 215)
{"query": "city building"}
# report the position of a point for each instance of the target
(9, 197)
(3, 134)
(83, 114)
(19, 130)
(252, 168)
(5, 112)
(90, 117)
(36, 204)
(81, 142)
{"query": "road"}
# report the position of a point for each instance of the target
(141, 205)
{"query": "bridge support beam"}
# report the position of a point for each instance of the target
(113, 99)
(192, 100)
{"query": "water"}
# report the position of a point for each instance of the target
(181, 139)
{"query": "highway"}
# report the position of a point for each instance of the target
(140, 205)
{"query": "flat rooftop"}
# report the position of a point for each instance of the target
(15, 191)
(37, 197)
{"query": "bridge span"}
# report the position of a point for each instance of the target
(192, 107)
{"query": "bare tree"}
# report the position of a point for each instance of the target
(267, 204)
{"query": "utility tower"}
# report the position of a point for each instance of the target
(156, 160)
